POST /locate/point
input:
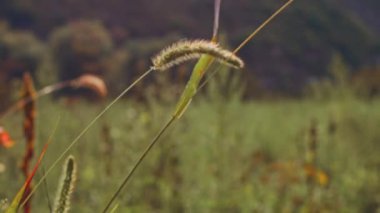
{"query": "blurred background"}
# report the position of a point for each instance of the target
(116, 39)
(297, 130)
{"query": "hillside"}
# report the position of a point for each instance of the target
(295, 49)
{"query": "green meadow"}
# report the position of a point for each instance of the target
(225, 154)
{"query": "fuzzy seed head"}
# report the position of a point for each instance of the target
(66, 186)
(186, 50)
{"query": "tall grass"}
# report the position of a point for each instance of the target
(224, 155)
(223, 163)
(184, 101)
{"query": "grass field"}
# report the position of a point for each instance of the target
(224, 155)
(241, 146)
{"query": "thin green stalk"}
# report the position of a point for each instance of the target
(266, 22)
(249, 38)
(138, 162)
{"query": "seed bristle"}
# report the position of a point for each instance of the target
(183, 51)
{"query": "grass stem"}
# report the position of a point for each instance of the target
(143, 155)
(249, 38)
(266, 22)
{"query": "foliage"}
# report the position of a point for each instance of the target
(366, 81)
(225, 155)
(319, 28)
(337, 86)
(20, 52)
(80, 47)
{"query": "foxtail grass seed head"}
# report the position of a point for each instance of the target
(91, 82)
(66, 186)
(186, 50)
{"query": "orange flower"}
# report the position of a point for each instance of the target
(5, 139)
